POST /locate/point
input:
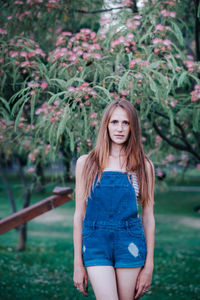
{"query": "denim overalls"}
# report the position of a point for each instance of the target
(112, 230)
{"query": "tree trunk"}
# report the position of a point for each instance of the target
(40, 178)
(197, 30)
(22, 236)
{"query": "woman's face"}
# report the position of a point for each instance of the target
(119, 126)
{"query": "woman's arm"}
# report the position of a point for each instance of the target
(148, 222)
(80, 275)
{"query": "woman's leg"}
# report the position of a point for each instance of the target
(103, 281)
(126, 282)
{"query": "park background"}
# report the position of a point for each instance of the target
(61, 63)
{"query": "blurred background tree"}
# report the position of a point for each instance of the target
(62, 62)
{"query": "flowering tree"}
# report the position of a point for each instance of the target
(71, 75)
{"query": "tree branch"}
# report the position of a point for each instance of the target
(98, 10)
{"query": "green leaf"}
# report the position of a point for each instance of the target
(196, 119)
(5, 103)
(19, 114)
(177, 32)
(171, 118)
(63, 123)
(71, 138)
(182, 78)
(105, 91)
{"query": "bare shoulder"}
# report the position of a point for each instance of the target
(149, 167)
(81, 161)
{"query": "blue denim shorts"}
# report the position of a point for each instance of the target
(119, 245)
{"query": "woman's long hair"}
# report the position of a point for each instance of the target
(135, 158)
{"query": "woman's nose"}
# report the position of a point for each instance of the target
(119, 127)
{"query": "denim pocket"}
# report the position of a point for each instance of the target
(136, 231)
(87, 232)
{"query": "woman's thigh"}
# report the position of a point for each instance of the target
(126, 282)
(103, 281)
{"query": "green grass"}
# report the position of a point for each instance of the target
(45, 269)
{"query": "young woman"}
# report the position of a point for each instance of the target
(111, 241)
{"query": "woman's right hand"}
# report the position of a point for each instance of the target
(81, 279)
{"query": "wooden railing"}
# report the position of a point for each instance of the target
(60, 196)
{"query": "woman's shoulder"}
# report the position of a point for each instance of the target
(149, 166)
(148, 162)
(81, 160)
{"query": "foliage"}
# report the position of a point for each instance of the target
(46, 269)
(138, 56)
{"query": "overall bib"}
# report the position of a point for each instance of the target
(112, 230)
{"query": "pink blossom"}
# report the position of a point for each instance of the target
(33, 84)
(134, 61)
(156, 50)
(71, 89)
(130, 36)
(137, 17)
(94, 47)
(166, 13)
(25, 63)
(160, 27)
(93, 115)
(31, 54)
(173, 14)
(156, 41)
(190, 57)
(32, 92)
(39, 51)
(104, 20)
(13, 53)
(138, 76)
(86, 30)
(170, 157)
(18, 2)
(195, 94)
(23, 53)
(66, 33)
(85, 45)
(44, 85)
(124, 92)
(47, 147)
(72, 57)
(167, 42)
(94, 123)
(97, 55)
(3, 31)
(127, 3)
(158, 139)
(31, 170)
(131, 24)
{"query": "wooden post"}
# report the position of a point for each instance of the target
(61, 196)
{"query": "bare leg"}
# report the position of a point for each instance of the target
(126, 282)
(103, 281)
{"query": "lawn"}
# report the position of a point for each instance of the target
(45, 269)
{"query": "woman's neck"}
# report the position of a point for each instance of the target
(116, 151)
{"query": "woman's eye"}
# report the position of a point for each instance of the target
(126, 123)
(114, 121)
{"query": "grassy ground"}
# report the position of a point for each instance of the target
(45, 270)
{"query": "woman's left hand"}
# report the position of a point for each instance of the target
(143, 283)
